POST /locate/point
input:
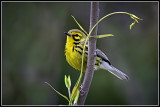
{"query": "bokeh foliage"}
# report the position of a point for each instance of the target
(33, 46)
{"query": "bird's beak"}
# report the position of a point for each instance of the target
(68, 34)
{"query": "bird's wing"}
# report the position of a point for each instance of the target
(99, 53)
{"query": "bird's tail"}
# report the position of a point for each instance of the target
(113, 70)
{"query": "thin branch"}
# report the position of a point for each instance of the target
(94, 14)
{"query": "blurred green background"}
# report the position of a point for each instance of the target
(33, 44)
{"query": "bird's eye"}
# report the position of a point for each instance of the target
(76, 35)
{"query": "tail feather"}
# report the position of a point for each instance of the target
(113, 70)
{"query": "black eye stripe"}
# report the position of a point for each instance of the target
(76, 35)
(76, 38)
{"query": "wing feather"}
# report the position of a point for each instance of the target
(99, 53)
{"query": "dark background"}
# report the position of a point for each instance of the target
(33, 46)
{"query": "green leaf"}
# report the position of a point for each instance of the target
(67, 81)
(76, 98)
(135, 18)
(102, 36)
(132, 25)
(74, 94)
(57, 92)
(79, 25)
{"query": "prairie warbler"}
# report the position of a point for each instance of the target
(73, 52)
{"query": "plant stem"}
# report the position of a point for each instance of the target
(94, 14)
(69, 93)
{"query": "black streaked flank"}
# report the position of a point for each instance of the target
(79, 47)
(76, 43)
(78, 51)
(87, 47)
(86, 53)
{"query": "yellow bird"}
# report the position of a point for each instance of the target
(73, 52)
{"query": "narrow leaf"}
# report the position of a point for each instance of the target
(132, 25)
(79, 25)
(65, 80)
(135, 17)
(76, 98)
(57, 92)
(69, 81)
(102, 36)
(75, 93)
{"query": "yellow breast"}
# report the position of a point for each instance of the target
(73, 58)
